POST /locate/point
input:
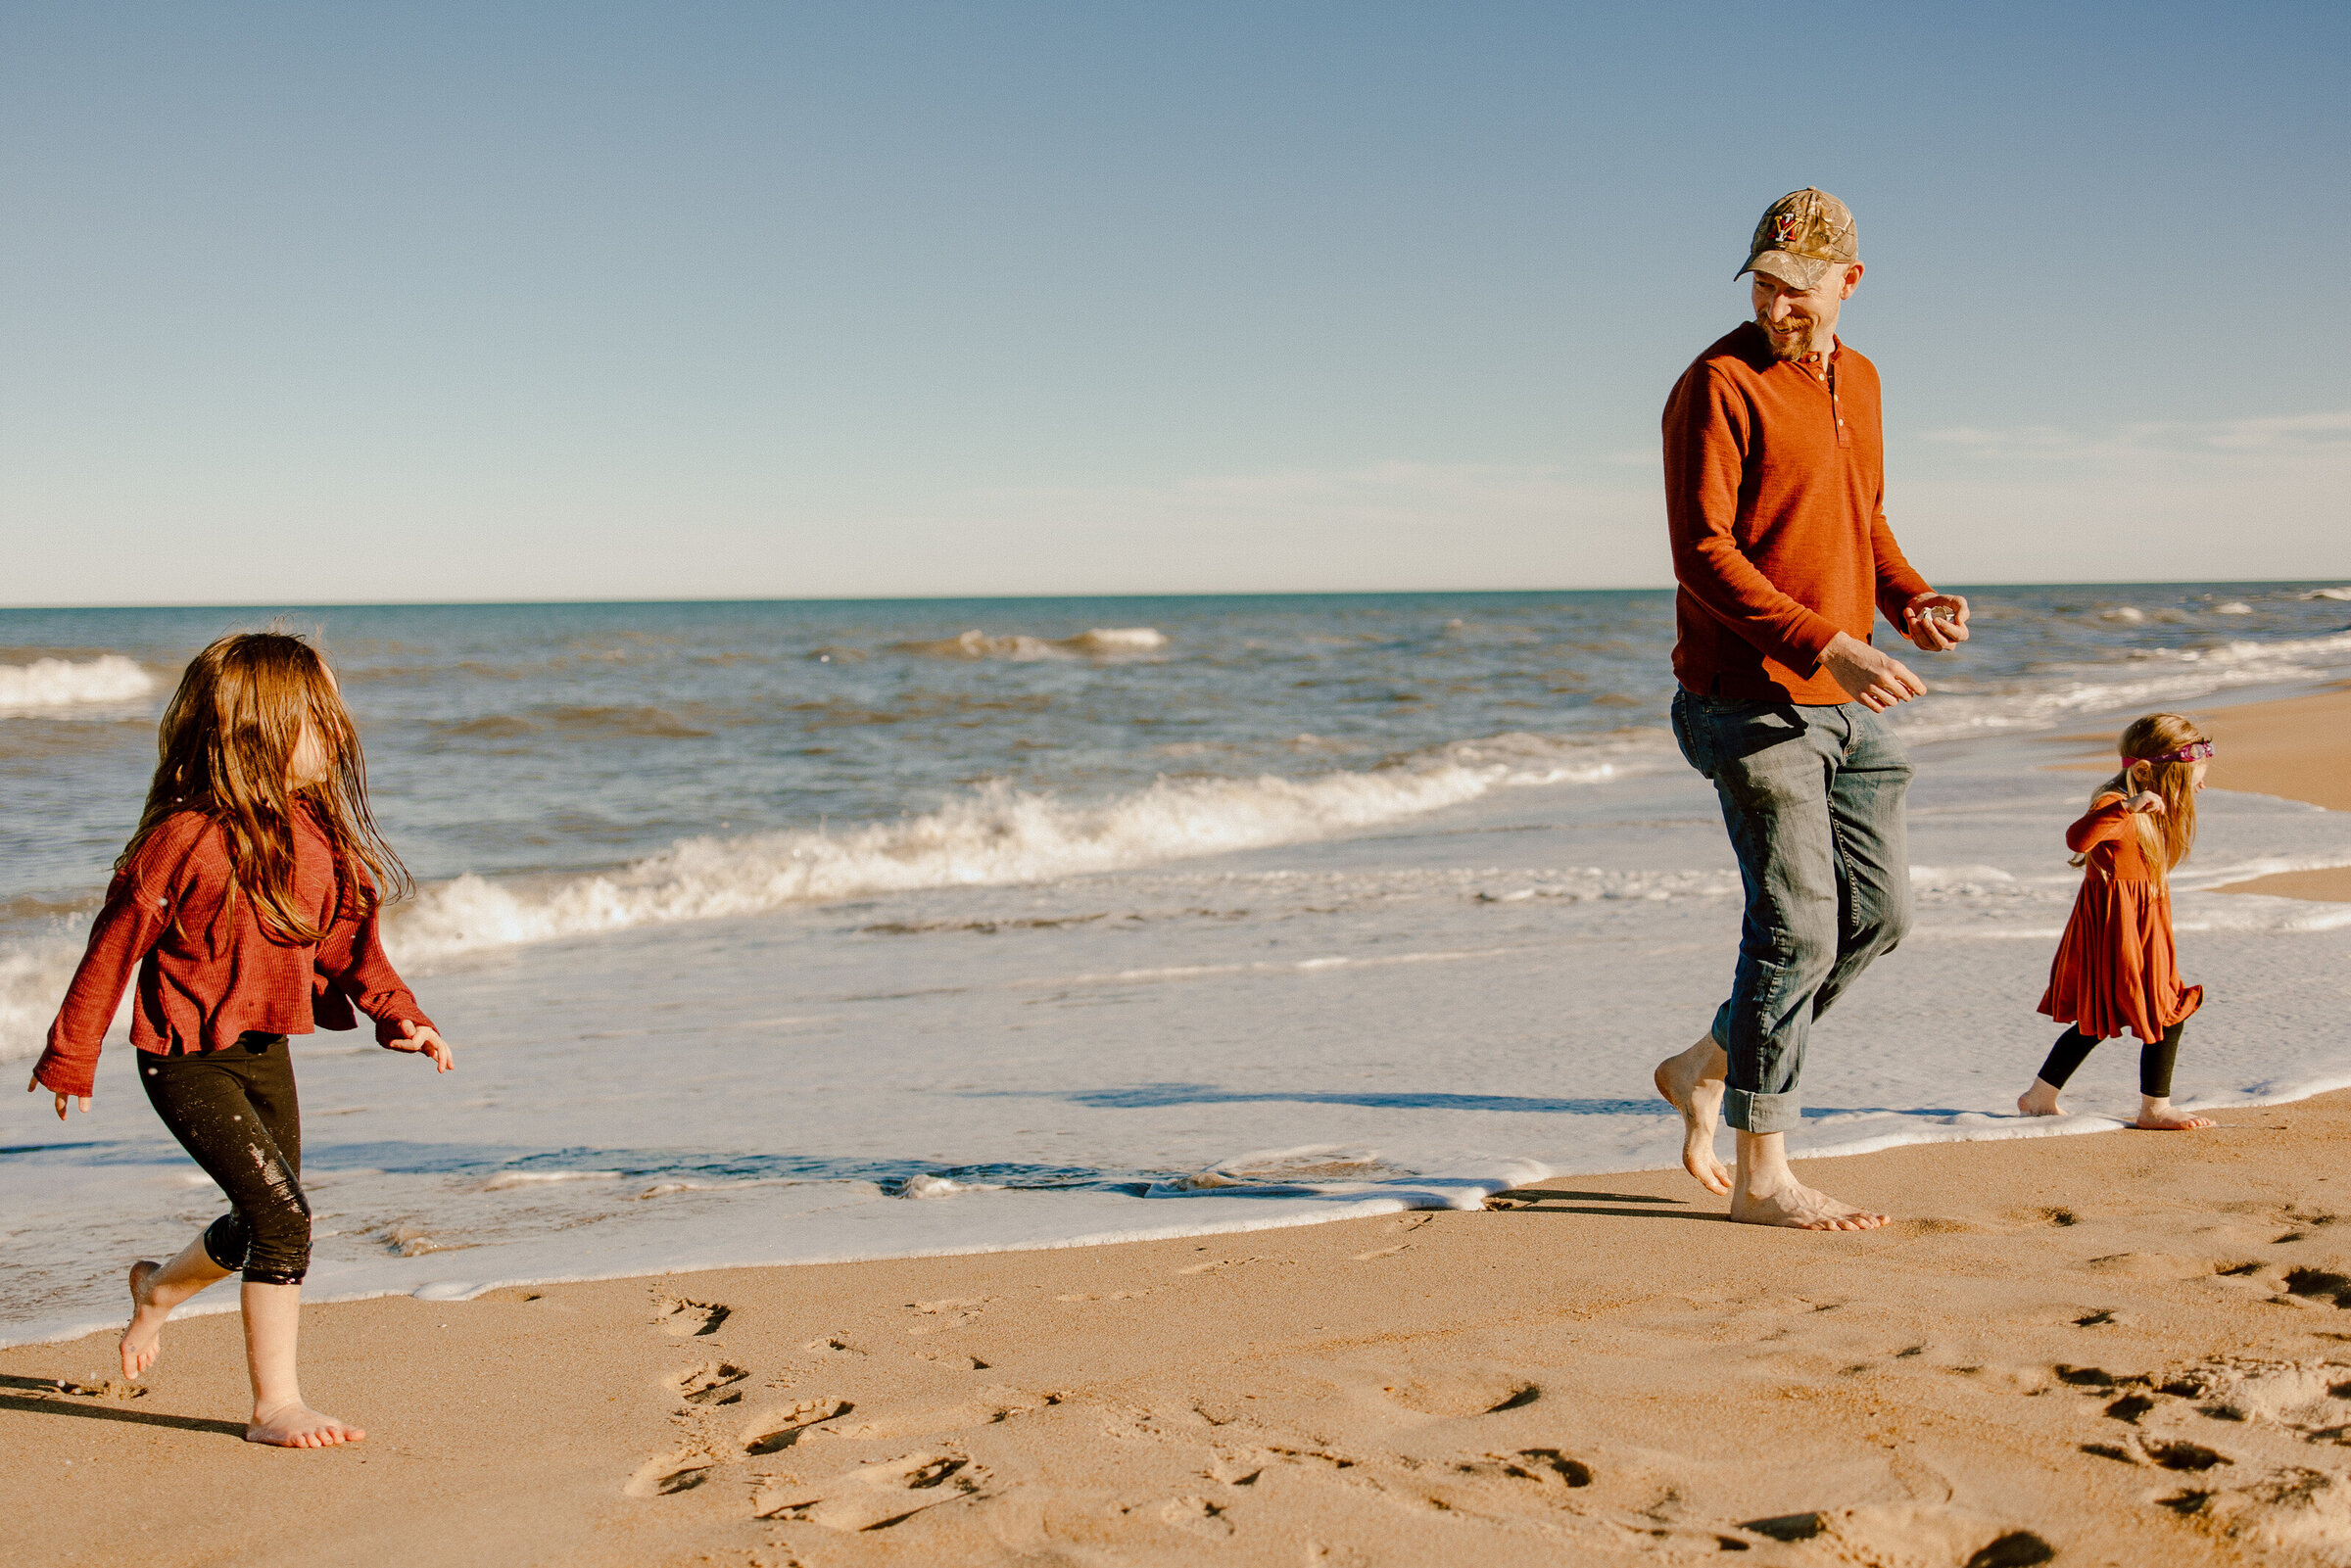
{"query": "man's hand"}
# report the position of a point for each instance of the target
(1876, 680)
(34, 1087)
(426, 1039)
(1935, 622)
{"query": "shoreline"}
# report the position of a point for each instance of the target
(2286, 761)
(1545, 1378)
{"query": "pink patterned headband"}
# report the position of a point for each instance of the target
(2194, 751)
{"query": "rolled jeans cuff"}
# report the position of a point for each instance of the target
(1762, 1113)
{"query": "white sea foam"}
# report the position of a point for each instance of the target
(47, 684)
(2162, 674)
(2329, 592)
(1098, 642)
(941, 1187)
(506, 1180)
(993, 836)
(32, 981)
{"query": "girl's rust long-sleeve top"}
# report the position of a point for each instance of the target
(207, 969)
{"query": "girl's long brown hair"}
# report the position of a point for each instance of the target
(226, 742)
(2166, 838)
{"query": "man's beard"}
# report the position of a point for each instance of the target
(1787, 346)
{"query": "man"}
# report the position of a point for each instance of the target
(1774, 493)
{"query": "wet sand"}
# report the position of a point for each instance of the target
(2128, 1349)
(2133, 1348)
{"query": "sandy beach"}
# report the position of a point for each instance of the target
(2126, 1348)
(2294, 749)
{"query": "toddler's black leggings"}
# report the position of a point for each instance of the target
(234, 1112)
(2155, 1060)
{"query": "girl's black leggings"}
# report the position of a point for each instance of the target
(234, 1112)
(2155, 1060)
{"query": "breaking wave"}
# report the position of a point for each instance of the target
(49, 684)
(33, 977)
(2164, 675)
(993, 836)
(1100, 642)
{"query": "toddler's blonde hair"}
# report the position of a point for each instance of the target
(2167, 838)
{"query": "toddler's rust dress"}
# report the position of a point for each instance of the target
(2116, 967)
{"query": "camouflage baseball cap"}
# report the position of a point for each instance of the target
(1802, 235)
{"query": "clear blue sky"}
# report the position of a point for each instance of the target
(493, 301)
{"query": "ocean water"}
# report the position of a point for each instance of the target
(778, 932)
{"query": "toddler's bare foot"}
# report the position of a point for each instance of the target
(1801, 1208)
(1692, 1083)
(2163, 1118)
(142, 1339)
(298, 1426)
(2040, 1101)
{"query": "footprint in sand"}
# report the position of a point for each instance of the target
(2293, 1507)
(681, 1470)
(1237, 1469)
(1110, 1295)
(674, 1316)
(710, 1383)
(1468, 1394)
(1221, 1262)
(2311, 1400)
(987, 1406)
(954, 1363)
(830, 1345)
(2318, 1284)
(773, 1431)
(1545, 1467)
(873, 1496)
(1909, 1532)
(1198, 1515)
(2264, 1504)
(951, 1314)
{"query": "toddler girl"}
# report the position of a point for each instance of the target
(246, 905)
(2115, 967)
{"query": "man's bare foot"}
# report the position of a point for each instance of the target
(1692, 1082)
(1797, 1206)
(2157, 1116)
(142, 1339)
(2040, 1100)
(298, 1426)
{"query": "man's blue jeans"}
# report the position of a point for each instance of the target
(1812, 797)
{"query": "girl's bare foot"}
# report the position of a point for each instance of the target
(298, 1426)
(1693, 1083)
(142, 1339)
(2157, 1116)
(2040, 1100)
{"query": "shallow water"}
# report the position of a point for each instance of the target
(773, 933)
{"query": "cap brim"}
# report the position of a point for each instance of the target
(1802, 272)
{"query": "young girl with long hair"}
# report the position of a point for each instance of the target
(246, 907)
(2116, 967)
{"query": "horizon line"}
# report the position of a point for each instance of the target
(1021, 599)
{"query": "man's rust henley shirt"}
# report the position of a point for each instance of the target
(1775, 487)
